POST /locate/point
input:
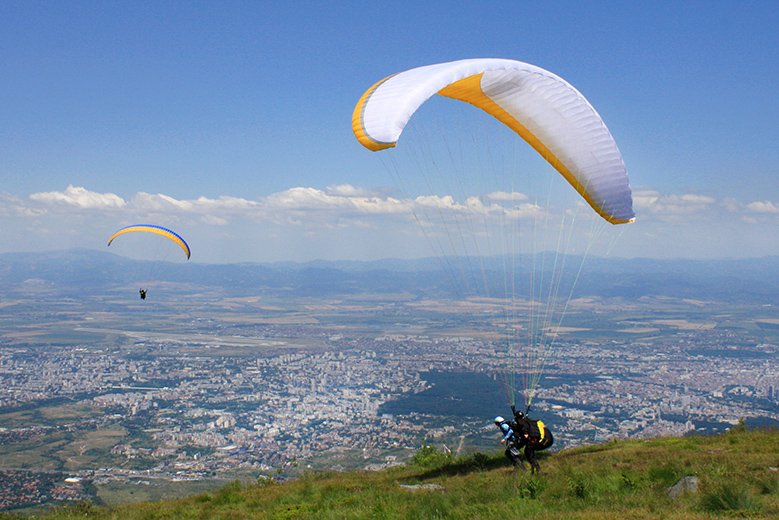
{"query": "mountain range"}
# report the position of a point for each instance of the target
(754, 281)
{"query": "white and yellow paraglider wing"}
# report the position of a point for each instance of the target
(542, 108)
(157, 230)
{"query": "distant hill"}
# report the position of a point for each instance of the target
(733, 474)
(743, 280)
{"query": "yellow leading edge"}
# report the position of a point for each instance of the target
(469, 91)
(157, 230)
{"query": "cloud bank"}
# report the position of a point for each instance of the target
(340, 201)
(335, 221)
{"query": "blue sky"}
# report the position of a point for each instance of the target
(230, 121)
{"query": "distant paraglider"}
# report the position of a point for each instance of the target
(153, 229)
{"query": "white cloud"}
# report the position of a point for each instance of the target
(645, 198)
(347, 190)
(336, 206)
(763, 207)
(670, 205)
(475, 205)
(697, 199)
(306, 198)
(161, 202)
(227, 203)
(345, 199)
(506, 196)
(525, 211)
(378, 205)
(434, 201)
(80, 197)
(11, 206)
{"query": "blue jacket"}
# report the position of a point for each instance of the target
(506, 430)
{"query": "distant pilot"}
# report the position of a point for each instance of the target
(142, 292)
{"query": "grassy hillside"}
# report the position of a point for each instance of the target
(738, 476)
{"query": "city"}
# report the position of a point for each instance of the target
(249, 388)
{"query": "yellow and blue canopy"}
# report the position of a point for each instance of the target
(158, 230)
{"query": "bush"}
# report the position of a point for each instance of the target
(479, 460)
(429, 457)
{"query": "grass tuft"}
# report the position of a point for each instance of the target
(735, 498)
(531, 488)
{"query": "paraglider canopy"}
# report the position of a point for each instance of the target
(474, 212)
(542, 108)
(158, 230)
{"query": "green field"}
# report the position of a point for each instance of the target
(63, 450)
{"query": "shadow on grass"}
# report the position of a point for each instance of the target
(595, 448)
(475, 463)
